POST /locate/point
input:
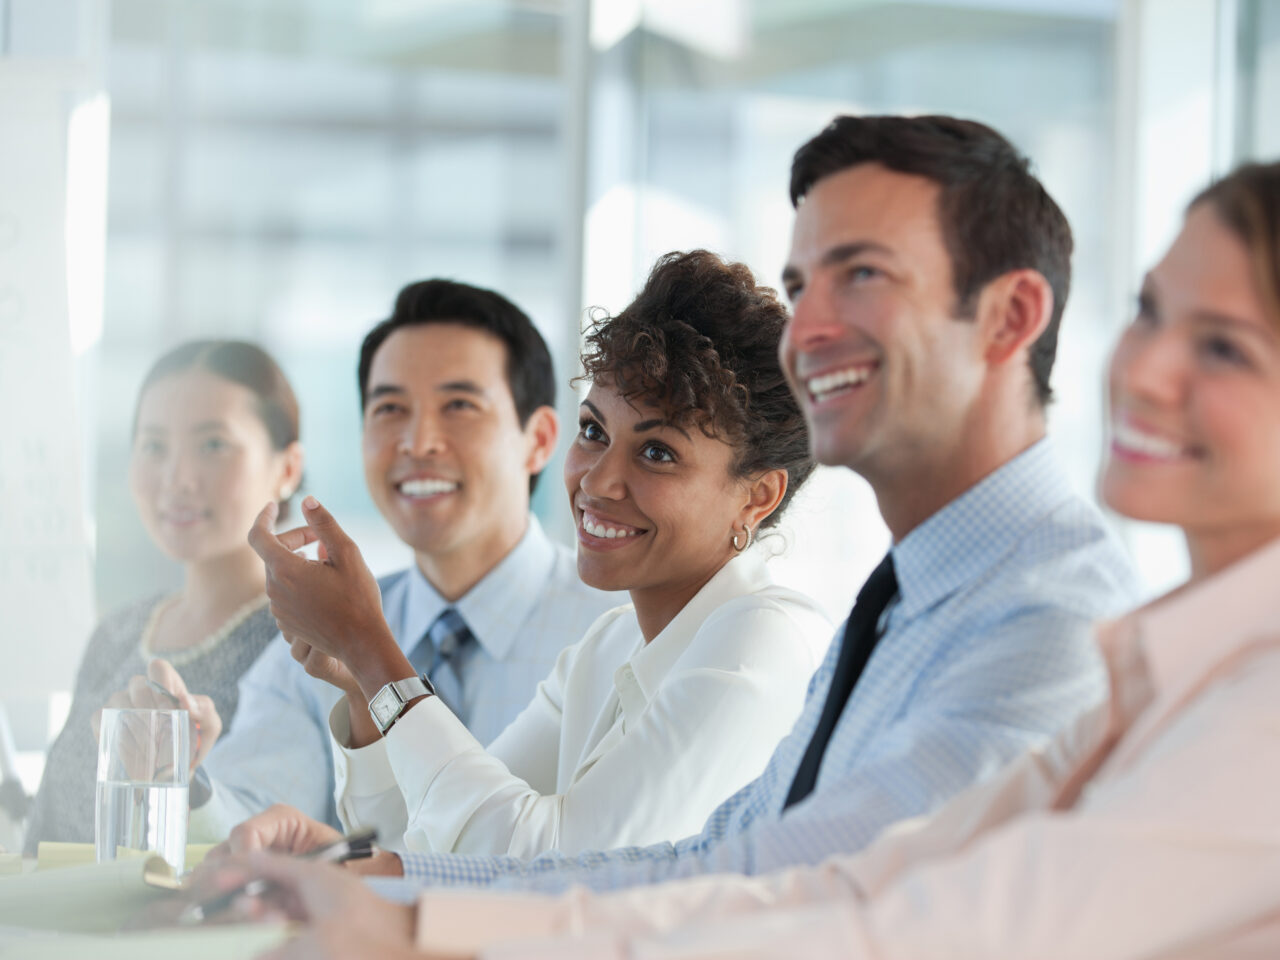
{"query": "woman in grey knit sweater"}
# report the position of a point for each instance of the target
(215, 436)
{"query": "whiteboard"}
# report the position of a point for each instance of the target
(46, 607)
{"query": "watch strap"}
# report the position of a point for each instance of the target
(389, 703)
(411, 688)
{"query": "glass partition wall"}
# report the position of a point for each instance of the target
(1258, 80)
(698, 109)
(280, 170)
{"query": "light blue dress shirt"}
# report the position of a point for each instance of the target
(522, 614)
(987, 653)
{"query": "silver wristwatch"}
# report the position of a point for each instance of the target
(389, 702)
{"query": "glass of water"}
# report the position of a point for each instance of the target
(144, 759)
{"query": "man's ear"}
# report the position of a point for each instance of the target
(1014, 310)
(541, 433)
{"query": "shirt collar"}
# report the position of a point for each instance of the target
(1186, 633)
(504, 597)
(744, 574)
(963, 540)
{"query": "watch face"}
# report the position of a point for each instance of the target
(384, 706)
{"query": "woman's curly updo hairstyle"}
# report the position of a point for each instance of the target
(700, 343)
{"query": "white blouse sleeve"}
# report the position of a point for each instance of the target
(377, 785)
(365, 791)
(460, 796)
(709, 727)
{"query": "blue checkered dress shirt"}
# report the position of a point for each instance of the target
(986, 653)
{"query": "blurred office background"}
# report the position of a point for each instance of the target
(277, 169)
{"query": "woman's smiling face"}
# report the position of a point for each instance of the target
(1195, 399)
(202, 465)
(654, 502)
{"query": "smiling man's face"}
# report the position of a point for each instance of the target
(884, 370)
(445, 457)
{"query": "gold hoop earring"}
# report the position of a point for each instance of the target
(745, 545)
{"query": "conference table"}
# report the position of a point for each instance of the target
(62, 904)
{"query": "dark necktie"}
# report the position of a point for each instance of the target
(860, 636)
(436, 655)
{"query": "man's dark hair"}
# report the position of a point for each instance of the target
(529, 371)
(995, 215)
(700, 341)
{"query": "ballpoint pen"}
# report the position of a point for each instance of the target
(173, 701)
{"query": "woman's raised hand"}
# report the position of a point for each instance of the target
(328, 609)
(324, 667)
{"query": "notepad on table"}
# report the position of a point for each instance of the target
(56, 856)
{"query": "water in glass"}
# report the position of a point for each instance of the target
(142, 816)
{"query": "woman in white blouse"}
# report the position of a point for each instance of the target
(689, 444)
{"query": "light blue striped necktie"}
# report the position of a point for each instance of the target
(437, 653)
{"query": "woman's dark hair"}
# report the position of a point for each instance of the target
(995, 215)
(700, 342)
(245, 364)
(1247, 201)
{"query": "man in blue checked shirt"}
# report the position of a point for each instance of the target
(458, 396)
(928, 273)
